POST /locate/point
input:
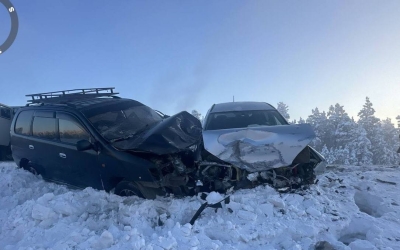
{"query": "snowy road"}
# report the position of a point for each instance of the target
(350, 207)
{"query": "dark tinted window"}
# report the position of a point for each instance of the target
(71, 131)
(243, 119)
(23, 123)
(5, 112)
(44, 127)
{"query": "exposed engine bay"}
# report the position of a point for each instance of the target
(184, 174)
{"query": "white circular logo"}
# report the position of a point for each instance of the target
(14, 26)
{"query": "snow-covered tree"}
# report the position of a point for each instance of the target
(398, 121)
(319, 122)
(284, 110)
(367, 118)
(301, 121)
(372, 126)
(361, 146)
(391, 139)
(329, 156)
(342, 155)
(341, 126)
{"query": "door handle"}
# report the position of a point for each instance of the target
(31, 147)
(62, 155)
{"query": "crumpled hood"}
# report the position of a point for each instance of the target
(172, 135)
(259, 148)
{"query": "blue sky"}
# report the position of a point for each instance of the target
(184, 55)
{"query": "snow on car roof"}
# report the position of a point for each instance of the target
(240, 106)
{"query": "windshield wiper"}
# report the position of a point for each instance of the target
(122, 138)
(130, 135)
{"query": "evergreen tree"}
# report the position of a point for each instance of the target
(341, 155)
(329, 156)
(301, 121)
(284, 110)
(372, 126)
(361, 146)
(342, 126)
(319, 122)
(391, 139)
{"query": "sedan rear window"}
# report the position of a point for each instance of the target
(244, 119)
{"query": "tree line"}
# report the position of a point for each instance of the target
(342, 140)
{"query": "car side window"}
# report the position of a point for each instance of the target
(5, 112)
(44, 127)
(71, 131)
(23, 123)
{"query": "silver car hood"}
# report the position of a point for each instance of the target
(259, 148)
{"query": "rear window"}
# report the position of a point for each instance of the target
(23, 123)
(44, 127)
(244, 119)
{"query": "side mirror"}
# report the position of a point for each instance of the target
(83, 145)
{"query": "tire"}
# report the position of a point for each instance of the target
(28, 167)
(32, 170)
(127, 188)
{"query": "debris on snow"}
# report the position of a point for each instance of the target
(214, 198)
(362, 245)
(387, 182)
(277, 202)
(314, 212)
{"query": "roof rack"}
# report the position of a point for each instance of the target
(64, 96)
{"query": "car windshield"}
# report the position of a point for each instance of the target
(244, 119)
(118, 122)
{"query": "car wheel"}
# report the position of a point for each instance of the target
(127, 188)
(29, 167)
(32, 170)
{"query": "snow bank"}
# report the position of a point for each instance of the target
(348, 209)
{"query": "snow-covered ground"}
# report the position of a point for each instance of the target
(350, 207)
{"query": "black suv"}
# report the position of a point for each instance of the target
(93, 138)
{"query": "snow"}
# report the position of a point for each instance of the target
(348, 209)
(214, 197)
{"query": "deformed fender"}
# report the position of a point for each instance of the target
(259, 148)
(172, 135)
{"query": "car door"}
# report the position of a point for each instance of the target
(42, 142)
(83, 166)
(21, 143)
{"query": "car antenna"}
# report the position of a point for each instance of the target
(233, 98)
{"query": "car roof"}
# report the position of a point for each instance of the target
(240, 106)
